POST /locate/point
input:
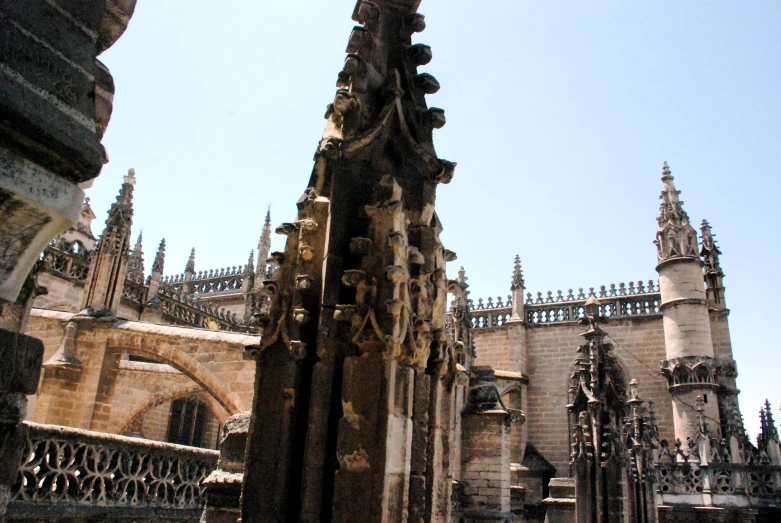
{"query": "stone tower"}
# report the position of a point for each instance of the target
(353, 395)
(691, 368)
(109, 262)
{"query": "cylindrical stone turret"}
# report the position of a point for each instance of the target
(691, 367)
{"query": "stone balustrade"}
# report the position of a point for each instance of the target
(82, 474)
(709, 474)
(187, 312)
(66, 263)
(616, 301)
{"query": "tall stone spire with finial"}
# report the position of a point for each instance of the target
(687, 330)
(190, 267)
(354, 352)
(714, 276)
(158, 265)
(109, 263)
(517, 287)
(675, 236)
(264, 248)
(189, 273)
(135, 266)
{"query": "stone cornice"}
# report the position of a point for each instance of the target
(682, 301)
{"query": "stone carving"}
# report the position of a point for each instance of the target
(696, 370)
(86, 468)
(675, 237)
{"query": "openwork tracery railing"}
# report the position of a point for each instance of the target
(191, 313)
(625, 300)
(685, 476)
(66, 466)
(135, 291)
(67, 259)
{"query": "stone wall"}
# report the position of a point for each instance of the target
(106, 392)
(63, 295)
(492, 347)
(639, 347)
(485, 455)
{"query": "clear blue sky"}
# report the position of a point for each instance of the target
(560, 115)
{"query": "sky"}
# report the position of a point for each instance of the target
(559, 115)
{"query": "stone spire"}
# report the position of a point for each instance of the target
(190, 267)
(135, 266)
(714, 276)
(84, 224)
(768, 430)
(517, 274)
(109, 263)
(158, 266)
(251, 262)
(264, 248)
(675, 236)
(189, 274)
(354, 350)
(517, 286)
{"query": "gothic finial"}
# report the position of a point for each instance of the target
(710, 251)
(771, 423)
(517, 281)
(159, 262)
(130, 177)
(120, 214)
(675, 236)
(190, 267)
(135, 265)
(264, 245)
(251, 261)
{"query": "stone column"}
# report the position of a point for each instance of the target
(691, 367)
(485, 451)
(516, 337)
(223, 486)
(20, 370)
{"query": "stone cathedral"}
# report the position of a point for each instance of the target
(350, 376)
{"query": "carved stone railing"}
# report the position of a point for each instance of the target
(228, 279)
(67, 471)
(135, 291)
(73, 266)
(616, 302)
(685, 478)
(189, 312)
(516, 500)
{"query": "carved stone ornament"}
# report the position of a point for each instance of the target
(696, 371)
(675, 237)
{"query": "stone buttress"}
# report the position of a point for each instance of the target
(353, 397)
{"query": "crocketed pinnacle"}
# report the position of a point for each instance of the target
(771, 423)
(675, 236)
(190, 267)
(517, 281)
(159, 263)
(135, 265)
(264, 244)
(251, 261)
(710, 251)
(120, 214)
